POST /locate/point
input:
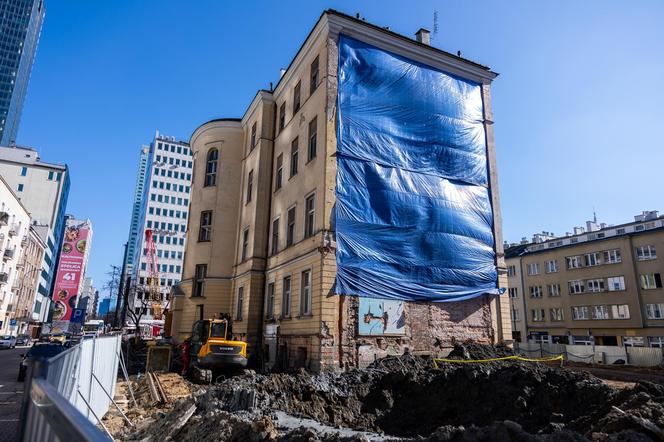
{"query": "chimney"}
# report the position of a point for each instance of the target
(282, 71)
(423, 36)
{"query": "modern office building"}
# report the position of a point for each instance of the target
(31, 308)
(163, 182)
(136, 208)
(274, 241)
(20, 27)
(599, 284)
(87, 298)
(14, 228)
(43, 188)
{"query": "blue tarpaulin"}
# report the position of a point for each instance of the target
(413, 215)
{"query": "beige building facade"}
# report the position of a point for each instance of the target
(261, 244)
(601, 286)
(29, 266)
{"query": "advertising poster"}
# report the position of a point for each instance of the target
(70, 269)
(380, 317)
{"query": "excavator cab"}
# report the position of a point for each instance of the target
(211, 352)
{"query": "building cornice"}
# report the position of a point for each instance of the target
(231, 126)
(253, 107)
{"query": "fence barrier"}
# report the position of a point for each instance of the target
(67, 395)
(602, 354)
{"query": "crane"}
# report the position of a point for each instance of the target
(153, 275)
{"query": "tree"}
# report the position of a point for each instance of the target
(112, 285)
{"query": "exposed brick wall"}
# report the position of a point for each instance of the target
(430, 328)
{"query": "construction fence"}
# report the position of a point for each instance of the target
(594, 354)
(67, 395)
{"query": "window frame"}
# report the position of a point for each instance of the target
(290, 233)
(211, 167)
(239, 303)
(286, 296)
(312, 146)
(314, 77)
(250, 186)
(198, 288)
(309, 215)
(306, 297)
(294, 157)
(297, 97)
(205, 230)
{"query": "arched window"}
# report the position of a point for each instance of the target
(211, 168)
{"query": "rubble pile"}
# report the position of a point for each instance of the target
(404, 398)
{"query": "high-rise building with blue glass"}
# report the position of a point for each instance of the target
(20, 27)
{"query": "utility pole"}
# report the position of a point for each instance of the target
(112, 287)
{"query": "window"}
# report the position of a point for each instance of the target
(199, 279)
(290, 229)
(511, 271)
(600, 312)
(556, 314)
(20, 188)
(211, 168)
(286, 297)
(655, 311)
(280, 171)
(313, 76)
(533, 269)
(275, 236)
(24, 171)
(612, 256)
(253, 137)
(294, 158)
(552, 266)
(310, 208)
(305, 294)
(644, 253)
(205, 229)
(573, 262)
(575, 287)
(311, 151)
(656, 341)
(620, 311)
(580, 313)
(50, 175)
(245, 243)
(633, 341)
(616, 283)
(595, 285)
(296, 98)
(651, 281)
(591, 259)
(269, 307)
(250, 186)
(282, 116)
(515, 314)
(536, 291)
(513, 292)
(639, 227)
(240, 304)
(554, 289)
(538, 314)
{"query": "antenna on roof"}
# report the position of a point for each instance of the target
(435, 23)
(594, 215)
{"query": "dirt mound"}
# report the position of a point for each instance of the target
(474, 351)
(406, 398)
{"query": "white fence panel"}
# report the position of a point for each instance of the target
(645, 356)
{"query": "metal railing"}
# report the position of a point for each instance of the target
(68, 394)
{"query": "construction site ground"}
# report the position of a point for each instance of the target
(401, 398)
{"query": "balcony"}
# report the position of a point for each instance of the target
(9, 254)
(13, 229)
(20, 263)
(4, 277)
(4, 218)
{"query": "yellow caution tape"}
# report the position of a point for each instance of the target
(506, 358)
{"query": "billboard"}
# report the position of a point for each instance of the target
(381, 317)
(70, 269)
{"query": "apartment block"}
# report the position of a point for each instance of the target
(601, 284)
(163, 184)
(30, 311)
(14, 229)
(43, 189)
(262, 240)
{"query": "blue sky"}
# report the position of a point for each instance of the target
(578, 103)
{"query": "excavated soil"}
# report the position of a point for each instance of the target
(404, 398)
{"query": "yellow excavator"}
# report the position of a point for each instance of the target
(212, 353)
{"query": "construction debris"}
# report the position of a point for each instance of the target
(404, 398)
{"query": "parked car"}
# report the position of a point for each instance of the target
(37, 351)
(23, 340)
(8, 341)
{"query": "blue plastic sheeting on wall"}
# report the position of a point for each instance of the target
(413, 216)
